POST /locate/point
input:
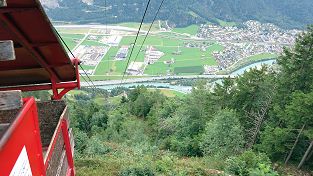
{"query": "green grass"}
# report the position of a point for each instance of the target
(172, 35)
(262, 56)
(103, 66)
(70, 43)
(162, 163)
(194, 70)
(166, 42)
(225, 23)
(117, 67)
(151, 40)
(190, 57)
(71, 40)
(100, 100)
(192, 30)
(76, 92)
(88, 67)
(169, 92)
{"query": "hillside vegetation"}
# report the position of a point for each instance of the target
(286, 14)
(245, 126)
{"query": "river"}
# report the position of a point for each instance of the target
(187, 89)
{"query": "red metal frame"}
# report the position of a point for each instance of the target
(54, 86)
(24, 131)
(68, 148)
(49, 154)
(18, 135)
(63, 126)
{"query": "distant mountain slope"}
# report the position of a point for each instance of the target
(284, 13)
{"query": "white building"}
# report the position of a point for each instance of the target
(135, 68)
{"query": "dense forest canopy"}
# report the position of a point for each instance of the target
(284, 13)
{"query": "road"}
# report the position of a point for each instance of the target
(122, 28)
(152, 79)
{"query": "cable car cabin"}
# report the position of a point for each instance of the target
(35, 137)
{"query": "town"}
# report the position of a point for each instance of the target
(252, 39)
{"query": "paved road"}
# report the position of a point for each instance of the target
(151, 79)
(122, 28)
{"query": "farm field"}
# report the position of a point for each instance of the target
(192, 30)
(72, 39)
(182, 52)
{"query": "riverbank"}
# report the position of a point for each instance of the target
(153, 81)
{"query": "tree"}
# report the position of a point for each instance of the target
(224, 93)
(296, 66)
(292, 102)
(250, 95)
(80, 141)
(223, 136)
(99, 120)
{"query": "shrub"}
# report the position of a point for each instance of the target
(248, 163)
(137, 171)
(165, 165)
(263, 170)
(96, 147)
(80, 141)
(223, 136)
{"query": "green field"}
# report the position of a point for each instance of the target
(178, 59)
(190, 57)
(169, 92)
(192, 70)
(116, 67)
(71, 40)
(192, 30)
(226, 23)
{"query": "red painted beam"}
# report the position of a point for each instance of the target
(12, 28)
(67, 85)
(16, 9)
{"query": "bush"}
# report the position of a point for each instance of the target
(137, 171)
(80, 141)
(249, 163)
(263, 170)
(165, 165)
(223, 136)
(96, 147)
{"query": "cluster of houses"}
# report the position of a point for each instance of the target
(251, 39)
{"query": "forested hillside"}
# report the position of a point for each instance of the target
(251, 125)
(286, 14)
